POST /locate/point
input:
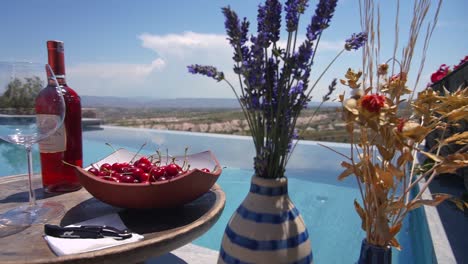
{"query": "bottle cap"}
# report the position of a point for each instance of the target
(56, 57)
(56, 45)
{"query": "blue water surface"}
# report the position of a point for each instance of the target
(325, 203)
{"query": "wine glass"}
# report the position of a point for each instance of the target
(32, 108)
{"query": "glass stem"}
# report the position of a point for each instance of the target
(32, 195)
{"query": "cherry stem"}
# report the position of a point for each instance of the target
(159, 155)
(185, 158)
(112, 147)
(136, 154)
(167, 156)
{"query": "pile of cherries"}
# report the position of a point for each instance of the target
(142, 170)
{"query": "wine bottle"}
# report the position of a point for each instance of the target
(65, 145)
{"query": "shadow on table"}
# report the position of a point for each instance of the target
(143, 221)
(23, 197)
(166, 259)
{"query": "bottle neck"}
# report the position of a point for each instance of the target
(56, 59)
(61, 80)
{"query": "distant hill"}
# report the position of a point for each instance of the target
(138, 102)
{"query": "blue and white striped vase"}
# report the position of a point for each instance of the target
(266, 228)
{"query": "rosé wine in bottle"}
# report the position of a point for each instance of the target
(66, 144)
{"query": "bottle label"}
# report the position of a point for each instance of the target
(57, 142)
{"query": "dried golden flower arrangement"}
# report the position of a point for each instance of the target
(385, 143)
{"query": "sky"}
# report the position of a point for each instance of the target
(141, 48)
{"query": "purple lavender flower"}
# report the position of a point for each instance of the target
(293, 9)
(232, 25)
(244, 31)
(254, 65)
(331, 88)
(301, 59)
(274, 19)
(261, 159)
(296, 90)
(262, 32)
(292, 15)
(356, 41)
(297, 98)
(294, 135)
(321, 19)
(271, 77)
(255, 102)
(209, 71)
(237, 33)
(274, 81)
(269, 22)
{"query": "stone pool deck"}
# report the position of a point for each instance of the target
(190, 253)
(454, 221)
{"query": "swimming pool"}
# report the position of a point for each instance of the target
(325, 203)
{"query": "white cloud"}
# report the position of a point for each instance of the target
(166, 76)
(114, 70)
(113, 79)
(183, 44)
(325, 45)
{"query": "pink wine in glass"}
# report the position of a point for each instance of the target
(66, 144)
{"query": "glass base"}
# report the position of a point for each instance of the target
(20, 218)
(14, 221)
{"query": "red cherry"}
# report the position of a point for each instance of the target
(117, 175)
(144, 177)
(127, 168)
(105, 167)
(162, 178)
(94, 171)
(128, 179)
(103, 173)
(144, 166)
(158, 172)
(119, 167)
(135, 170)
(172, 170)
(144, 160)
(112, 179)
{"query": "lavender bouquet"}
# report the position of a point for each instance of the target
(274, 80)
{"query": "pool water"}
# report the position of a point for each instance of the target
(328, 211)
(325, 203)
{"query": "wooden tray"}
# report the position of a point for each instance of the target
(164, 229)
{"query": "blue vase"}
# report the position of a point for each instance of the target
(371, 254)
(266, 228)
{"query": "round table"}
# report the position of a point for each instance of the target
(163, 229)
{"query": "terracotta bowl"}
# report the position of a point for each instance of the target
(164, 194)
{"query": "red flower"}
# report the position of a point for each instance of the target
(373, 102)
(463, 61)
(401, 124)
(440, 73)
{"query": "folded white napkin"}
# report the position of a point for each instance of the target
(67, 246)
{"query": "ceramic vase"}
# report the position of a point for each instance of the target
(266, 228)
(371, 254)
